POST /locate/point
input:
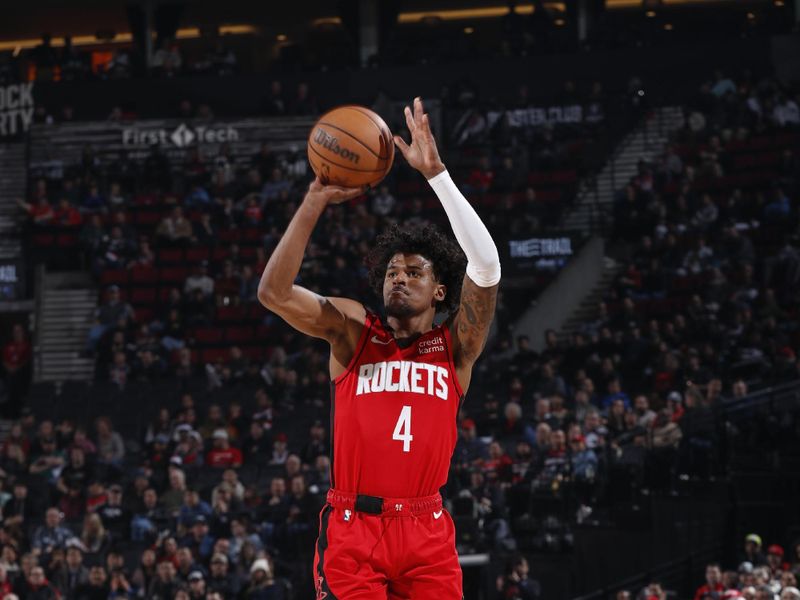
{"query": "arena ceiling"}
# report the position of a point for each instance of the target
(87, 17)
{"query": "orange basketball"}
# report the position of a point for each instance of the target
(350, 146)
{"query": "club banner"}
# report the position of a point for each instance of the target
(539, 254)
(16, 109)
(574, 114)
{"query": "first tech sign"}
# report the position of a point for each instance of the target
(16, 109)
(180, 136)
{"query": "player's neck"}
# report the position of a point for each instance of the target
(410, 327)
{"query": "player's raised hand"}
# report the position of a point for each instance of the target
(332, 194)
(422, 153)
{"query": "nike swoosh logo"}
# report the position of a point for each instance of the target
(436, 515)
(377, 340)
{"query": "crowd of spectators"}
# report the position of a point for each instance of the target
(704, 311)
(761, 574)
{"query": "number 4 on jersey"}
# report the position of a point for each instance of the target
(402, 430)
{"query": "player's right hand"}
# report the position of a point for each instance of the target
(332, 194)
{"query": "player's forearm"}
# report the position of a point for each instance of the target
(483, 260)
(284, 264)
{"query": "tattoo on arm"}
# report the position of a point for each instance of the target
(474, 318)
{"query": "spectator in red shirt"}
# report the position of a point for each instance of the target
(66, 215)
(222, 455)
(713, 585)
(40, 212)
(17, 368)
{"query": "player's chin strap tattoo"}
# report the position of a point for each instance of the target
(483, 261)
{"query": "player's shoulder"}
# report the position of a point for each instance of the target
(349, 308)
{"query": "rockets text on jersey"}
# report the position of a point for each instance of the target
(393, 415)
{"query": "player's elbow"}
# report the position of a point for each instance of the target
(269, 296)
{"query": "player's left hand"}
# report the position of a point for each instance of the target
(422, 153)
(332, 194)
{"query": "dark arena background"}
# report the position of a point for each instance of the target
(631, 431)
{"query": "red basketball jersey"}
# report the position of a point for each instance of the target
(393, 415)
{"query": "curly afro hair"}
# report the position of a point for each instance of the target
(449, 262)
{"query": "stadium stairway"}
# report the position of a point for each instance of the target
(13, 177)
(587, 309)
(64, 315)
(591, 211)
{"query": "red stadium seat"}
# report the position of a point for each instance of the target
(238, 335)
(232, 313)
(114, 277)
(211, 355)
(229, 235)
(144, 315)
(146, 217)
(251, 234)
(170, 256)
(254, 353)
(143, 296)
(195, 255)
(220, 254)
(173, 274)
(144, 275)
(208, 335)
(67, 240)
(43, 239)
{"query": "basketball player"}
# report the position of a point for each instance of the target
(396, 386)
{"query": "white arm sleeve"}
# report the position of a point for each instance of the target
(483, 261)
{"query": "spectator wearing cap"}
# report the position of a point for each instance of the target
(193, 506)
(745, 572)
(52, 534)
(583, 460)
(469, 448)
(197, 585)
(115, 516)
(222, 454)
(713, 585)
(775, 562)
(220, 580)
(790, 593)
(198, 540)
(72, 572)
(753, 552)
(262, 583)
